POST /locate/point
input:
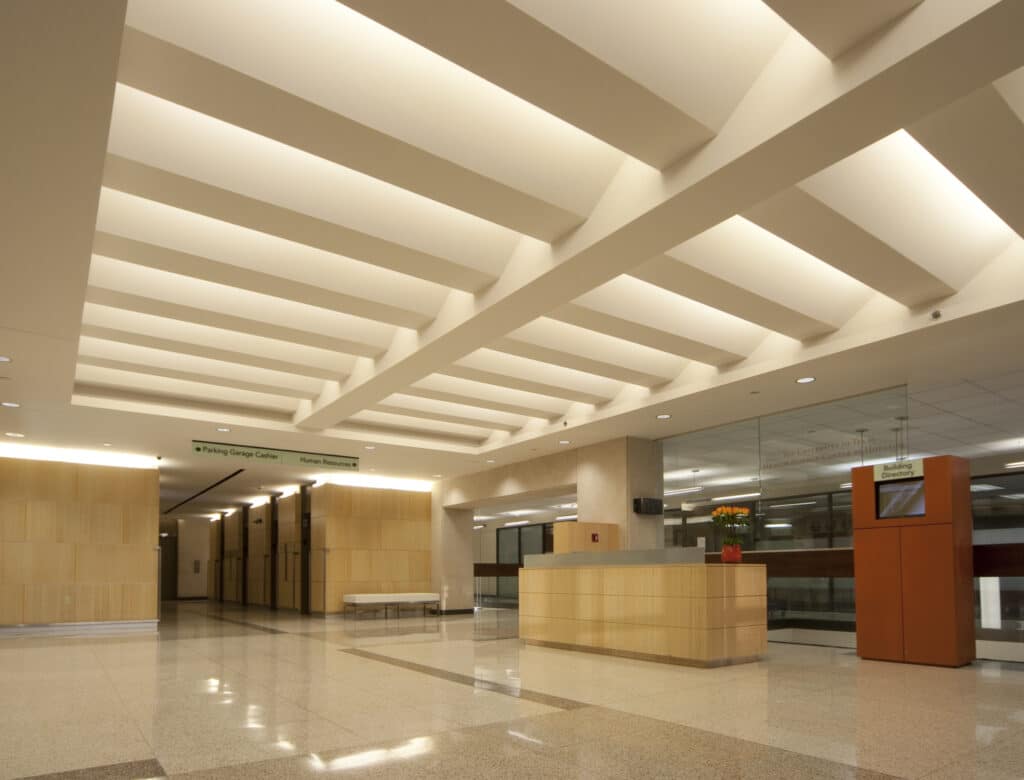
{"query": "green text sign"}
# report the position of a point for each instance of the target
(279, 457)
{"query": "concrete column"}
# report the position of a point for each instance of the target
(609, 476)
(451, 553)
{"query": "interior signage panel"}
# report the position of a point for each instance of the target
(264, 455)
(901, 469)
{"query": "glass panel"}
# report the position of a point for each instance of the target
(531, 540)
(842, 520)
(821, 603)
(793, 523)
(508, 590)
(998, 506)
(508, 545)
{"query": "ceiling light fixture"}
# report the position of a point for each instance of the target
(664, 417)
(1017, 464)
(9, 404)
(1013, 496)
(981, 487)
(681, 491)
(845, 485)
(14, 435)
(224, 430)
(805, 380)
(566, 517)
(477, 527)
(736, 496)
(565, 441)
(778, 525)
(795, 503)
(517, 522)
(5, 359)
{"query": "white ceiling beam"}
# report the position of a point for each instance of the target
(558, 357)
(199, 350)
(214, 319)
(489, 38)
(481, 403)
(981, 141)
(521, 383)
(655, 338)
(683, 279)
(835, 26)
(806, 222)
(172, 261)
(769, 144)
(145, 181)
(180, 76)
(191, 376)
(147, 401)
(442, 417)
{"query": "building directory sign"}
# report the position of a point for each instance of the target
(264, 455)
(900, 469)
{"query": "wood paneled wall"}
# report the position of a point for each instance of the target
(77, 543)
(213, 588)
(257, 565)
(231, 558)
(366, 540)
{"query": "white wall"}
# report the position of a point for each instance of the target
(193, 545)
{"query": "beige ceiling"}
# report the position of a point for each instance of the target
(464, 233)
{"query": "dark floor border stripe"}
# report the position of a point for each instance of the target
(247, 624)
(130, 770)
(473, 682)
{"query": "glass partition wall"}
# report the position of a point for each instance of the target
(791, 471)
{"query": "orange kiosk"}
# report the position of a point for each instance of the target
(913, 564)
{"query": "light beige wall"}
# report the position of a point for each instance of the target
(579, 537)
(193, 547)
(451, 548)
(289, 549)
(77, 543)
(367, 540)
(550, 475)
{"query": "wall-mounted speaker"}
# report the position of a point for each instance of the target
(648, 506)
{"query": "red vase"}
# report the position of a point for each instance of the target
(732, 553)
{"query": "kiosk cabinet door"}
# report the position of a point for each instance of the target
(878, 591)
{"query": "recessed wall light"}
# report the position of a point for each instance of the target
(9, 404)
(14, 435)
(805, 380)
(664, 417)
(223, 430)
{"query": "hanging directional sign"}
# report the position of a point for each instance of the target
(265, 455)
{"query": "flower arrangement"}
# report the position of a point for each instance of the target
(733, 520)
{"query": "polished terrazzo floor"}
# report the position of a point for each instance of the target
(254, 694)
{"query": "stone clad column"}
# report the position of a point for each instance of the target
(451, 553)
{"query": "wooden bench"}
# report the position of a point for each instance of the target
(375, 600)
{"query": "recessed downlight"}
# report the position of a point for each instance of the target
(805, 380)
(1017, 464)
(565, 441)
(369, 447)
(222, 429)
(490, 460)
(436, 476)
(107, 444)
(9, 404)
(664, 417)
(14, 435)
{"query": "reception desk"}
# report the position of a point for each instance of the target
(686, 613)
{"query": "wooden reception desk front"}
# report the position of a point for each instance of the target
(693, 613)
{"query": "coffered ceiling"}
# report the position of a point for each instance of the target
(464, 232)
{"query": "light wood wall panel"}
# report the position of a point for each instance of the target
(699, 614)
(231, 557)
(77, 543)
(257, 565)
(367, 540)
(579, 537)
(213, 569)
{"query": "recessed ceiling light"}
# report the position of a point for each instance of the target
(565, 441)
(846, 485)
(1017, 464)
(15, 435)
(477, 527)
(106, 444)
(490, 460)
(223, 430)
(369, 447)
(664, 417)
(805, 380)
(436, 476)
(735, 496)
(4, 359)
(10, 404)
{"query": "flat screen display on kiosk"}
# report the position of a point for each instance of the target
(900, 498)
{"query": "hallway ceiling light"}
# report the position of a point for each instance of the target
(565, 441)
(982, 487)
(1017, 464)
(374, 481)
(477, 527)
(566, 517)
(795, 503)
(681, 491)
(736, 496)
(14, 435)
(517, 522)
(224, 430)
(778, 525)
(805, 380)
(10, 404)
(522, 512)
(845, 485)
(485, 517)
(84, 457)
(664, 417)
